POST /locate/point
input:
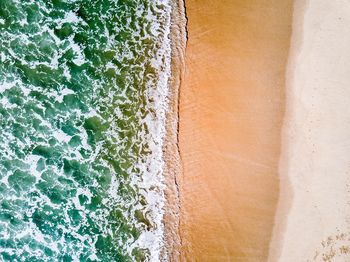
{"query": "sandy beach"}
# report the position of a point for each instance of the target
(232, 102)
(313, 218)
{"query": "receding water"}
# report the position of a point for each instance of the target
(83, 89)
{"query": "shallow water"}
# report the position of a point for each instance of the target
(82, 102)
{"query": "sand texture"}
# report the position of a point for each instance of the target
(232, 103)
(313, 218)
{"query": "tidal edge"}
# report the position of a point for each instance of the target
(171, 154)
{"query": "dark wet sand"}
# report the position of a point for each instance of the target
(232, 103)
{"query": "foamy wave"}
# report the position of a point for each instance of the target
(153, 180)
(82, 107)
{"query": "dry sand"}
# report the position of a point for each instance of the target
(313, 220)
(231, 110)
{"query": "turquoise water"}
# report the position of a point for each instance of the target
(82, 102)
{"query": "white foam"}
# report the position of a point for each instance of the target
(71, 17)
(5, 86)
(153, 168)
(32, 161)
(23, 22)
(79, 59)
(61, 136)
(66, 72)
(6, 103)
(64, 92)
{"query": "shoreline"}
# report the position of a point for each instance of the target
(171, 155)
(286, 193)
(231, 112)
(312, 221)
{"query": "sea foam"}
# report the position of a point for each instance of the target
(83, 100)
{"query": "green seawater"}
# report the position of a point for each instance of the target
(82, 104)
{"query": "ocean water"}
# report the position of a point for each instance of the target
(83, 96)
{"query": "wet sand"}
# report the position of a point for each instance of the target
(313, 219)
(232, 102)
(172, 168)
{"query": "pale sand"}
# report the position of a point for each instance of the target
(231, 110)
(313, 222)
